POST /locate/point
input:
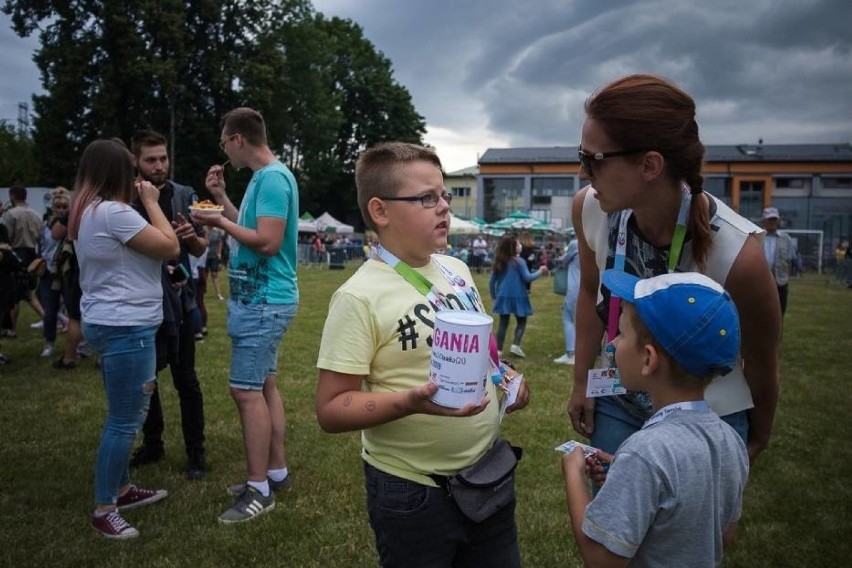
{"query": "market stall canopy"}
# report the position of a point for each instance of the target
(306, 226)
(328, 224)
(459, 226)
(520, 221)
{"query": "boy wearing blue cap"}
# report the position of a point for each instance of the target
(673, 493)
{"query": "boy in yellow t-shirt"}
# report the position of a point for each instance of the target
(374, 365)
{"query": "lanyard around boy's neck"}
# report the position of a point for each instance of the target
(436, 298)
(661, 414)
(675, 251)
(423, 284)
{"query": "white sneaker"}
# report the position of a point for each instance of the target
(564, 360)
(517, 351)
(37, 325)
(48, 351)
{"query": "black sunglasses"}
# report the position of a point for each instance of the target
(587, 157)
(427, 200)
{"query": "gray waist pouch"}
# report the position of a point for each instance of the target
(488, 485)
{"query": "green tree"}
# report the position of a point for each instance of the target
(329, 94)
(110, 67)
(17, 162)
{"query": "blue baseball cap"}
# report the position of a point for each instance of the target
(691, 316)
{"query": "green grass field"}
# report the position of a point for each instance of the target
(797, 503)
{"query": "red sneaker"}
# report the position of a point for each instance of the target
(136, 497)
(113, 526)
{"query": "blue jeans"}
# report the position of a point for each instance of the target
(613, 425)
(128, 365)
(416, 525)
(50, 301)
(256, 331)
(569, 315)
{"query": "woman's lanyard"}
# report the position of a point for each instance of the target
(675, 251)
(438, 300)
(663, 413)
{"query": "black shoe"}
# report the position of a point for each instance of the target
(63, 365)
(146, 454)
(196, 464)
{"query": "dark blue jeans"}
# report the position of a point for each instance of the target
(185, 380)
(50, 302)
(416, 525)
(613, 425)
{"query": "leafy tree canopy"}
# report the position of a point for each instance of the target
(17, 164)
(110, 67)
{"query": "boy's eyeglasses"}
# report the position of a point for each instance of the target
(226, 139)
(427, 200)
(587, 157)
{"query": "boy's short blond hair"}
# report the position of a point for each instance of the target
(376, 172)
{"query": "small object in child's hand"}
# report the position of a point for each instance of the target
(568, 447)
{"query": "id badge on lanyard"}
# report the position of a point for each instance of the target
(604, 380)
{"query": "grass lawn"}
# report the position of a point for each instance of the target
(797, 504)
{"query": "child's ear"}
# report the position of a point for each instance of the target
(378, 212)
(652, 360)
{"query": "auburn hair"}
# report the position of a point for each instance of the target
(649, 112)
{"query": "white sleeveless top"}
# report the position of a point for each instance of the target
(729, 393)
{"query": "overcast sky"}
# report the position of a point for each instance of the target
(508, 73)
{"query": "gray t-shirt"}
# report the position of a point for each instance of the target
(121, 287)
(671, 491)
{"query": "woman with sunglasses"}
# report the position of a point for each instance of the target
(647, 214)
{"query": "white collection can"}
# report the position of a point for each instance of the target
(460, 351)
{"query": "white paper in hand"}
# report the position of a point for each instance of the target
(512, 389)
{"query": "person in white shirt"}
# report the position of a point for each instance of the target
(120, 256)
(780, 252)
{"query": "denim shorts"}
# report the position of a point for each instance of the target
(256, 331)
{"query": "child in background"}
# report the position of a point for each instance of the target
(673, 493)
(571, 262)
(508, 287)
(374, 362)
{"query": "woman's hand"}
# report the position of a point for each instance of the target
(148, 192)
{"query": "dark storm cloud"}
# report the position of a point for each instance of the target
(778, 69)
(516, 72)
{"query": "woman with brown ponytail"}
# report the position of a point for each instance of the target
(641, 151)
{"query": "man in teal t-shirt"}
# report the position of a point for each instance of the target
(255, 277)
(263, 302)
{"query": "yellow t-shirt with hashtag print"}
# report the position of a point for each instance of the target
(379, 326)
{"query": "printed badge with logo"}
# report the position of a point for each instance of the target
(604, 382)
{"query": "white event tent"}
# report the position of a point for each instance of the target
(325, 223)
